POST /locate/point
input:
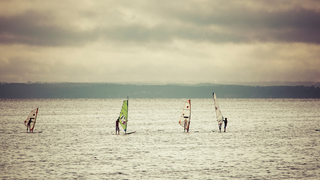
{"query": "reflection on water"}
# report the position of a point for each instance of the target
(74, 138)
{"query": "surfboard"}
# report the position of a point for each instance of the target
(33, 132)
(130, 133)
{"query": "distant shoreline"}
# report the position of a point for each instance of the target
(112, 90)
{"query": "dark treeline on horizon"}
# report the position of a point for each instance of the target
(108, 90)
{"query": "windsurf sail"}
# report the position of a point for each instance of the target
(217, 108)
(123, 117)
(30, 122)
(186, 115)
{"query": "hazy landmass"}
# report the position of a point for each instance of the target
(109, 90)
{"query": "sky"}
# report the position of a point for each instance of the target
(160, 42)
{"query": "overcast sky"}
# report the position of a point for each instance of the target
(151, 41)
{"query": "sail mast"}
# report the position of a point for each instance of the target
(189, 116)
(36, 113)
(127, 114)
(35, 118)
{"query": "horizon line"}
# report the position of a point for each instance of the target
(252, 83)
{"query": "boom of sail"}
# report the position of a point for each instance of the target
(186, 115)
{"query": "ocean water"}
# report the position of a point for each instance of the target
(75, 139)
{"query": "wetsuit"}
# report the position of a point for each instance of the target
(225, 124)
(28, 125)
(117, 126)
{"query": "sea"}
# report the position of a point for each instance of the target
(75, 139)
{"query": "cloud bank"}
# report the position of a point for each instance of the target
(149, 41)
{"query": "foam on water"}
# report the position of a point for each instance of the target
(74, 138)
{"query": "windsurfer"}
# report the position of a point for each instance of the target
(117, 126)
(220, 124)
(225, 124)
(29, 124)
(186, 124)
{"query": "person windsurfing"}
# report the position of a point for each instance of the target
(117, 126)
(225, 124)
(220, 124)
(186, 124)
(29, 124)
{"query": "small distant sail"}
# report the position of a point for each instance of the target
(123, 117)
(186, 115)
(30, 122)
(218, 111)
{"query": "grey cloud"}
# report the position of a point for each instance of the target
(247, 25)
(35, 29)
(249, 18)
(235, 25)
(164, 34)
(26, 29)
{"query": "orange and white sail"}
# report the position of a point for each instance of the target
(186, 115)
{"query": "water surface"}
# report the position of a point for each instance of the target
(74, 138)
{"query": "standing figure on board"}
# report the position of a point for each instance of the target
(225, 124)
(186, 124)
(117, 126)
(28, 125)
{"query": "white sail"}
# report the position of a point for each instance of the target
(186, 115)
(30, 122)
(217, 109)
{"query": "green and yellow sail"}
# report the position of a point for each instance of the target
(123, 117)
